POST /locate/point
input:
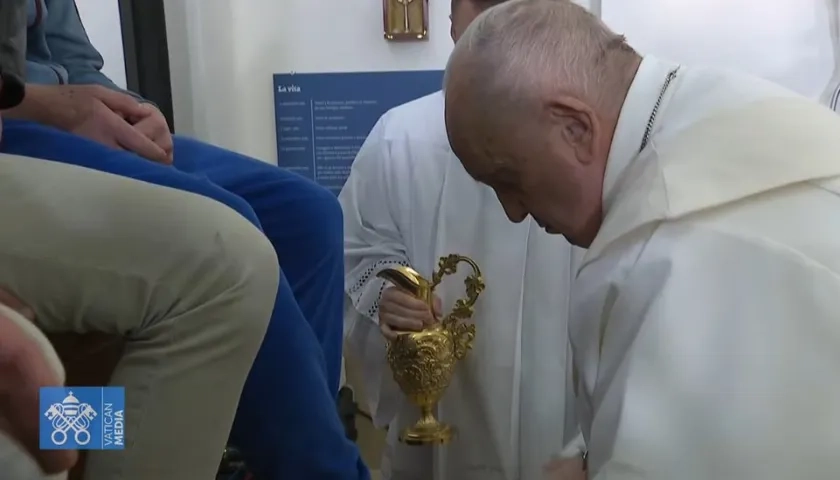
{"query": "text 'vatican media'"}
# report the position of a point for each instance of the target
(113, 425)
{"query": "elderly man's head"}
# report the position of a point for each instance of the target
(463, 12)
(533, 93)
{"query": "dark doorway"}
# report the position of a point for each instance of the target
(147, 52)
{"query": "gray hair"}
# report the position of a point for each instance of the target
(520, 48)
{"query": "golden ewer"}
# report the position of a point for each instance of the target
(423, 362)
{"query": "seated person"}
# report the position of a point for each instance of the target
(83, 119)
(29, 361)
(191, 290)
(86, 251)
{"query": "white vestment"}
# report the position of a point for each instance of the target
(409, 201)
(705, 317)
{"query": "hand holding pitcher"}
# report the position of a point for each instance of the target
(400, 311)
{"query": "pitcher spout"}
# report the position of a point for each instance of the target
(409, 280)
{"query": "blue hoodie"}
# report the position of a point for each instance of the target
(58, 50)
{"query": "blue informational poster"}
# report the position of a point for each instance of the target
(322, 119)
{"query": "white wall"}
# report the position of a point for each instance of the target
(223, 52)
(102, 23)
(787, 41)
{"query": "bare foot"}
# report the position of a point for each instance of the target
(564, 469)
(24, 368)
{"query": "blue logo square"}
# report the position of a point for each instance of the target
(82, 418)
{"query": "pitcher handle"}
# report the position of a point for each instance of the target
(474, 283)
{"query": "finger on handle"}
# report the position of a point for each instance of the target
(387, 332)
(438, 307)
(400, 322)
(405, 299)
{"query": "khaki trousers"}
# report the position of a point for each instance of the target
(185, 279)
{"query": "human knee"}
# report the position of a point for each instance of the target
(329, 210)
(330, 217)
(232, 267)
(320, 220)
(253, 276)
(238, 205)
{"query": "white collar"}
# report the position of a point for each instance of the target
(632, 122)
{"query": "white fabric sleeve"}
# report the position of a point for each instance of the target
(370, 201)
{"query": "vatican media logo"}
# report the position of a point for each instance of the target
(82, 418)
(70, 414)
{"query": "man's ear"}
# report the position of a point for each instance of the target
(577, 124)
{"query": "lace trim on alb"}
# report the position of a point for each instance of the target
(368, 275)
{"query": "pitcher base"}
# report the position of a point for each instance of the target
(436, 434)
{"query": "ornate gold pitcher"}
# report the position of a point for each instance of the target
(423, 362)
